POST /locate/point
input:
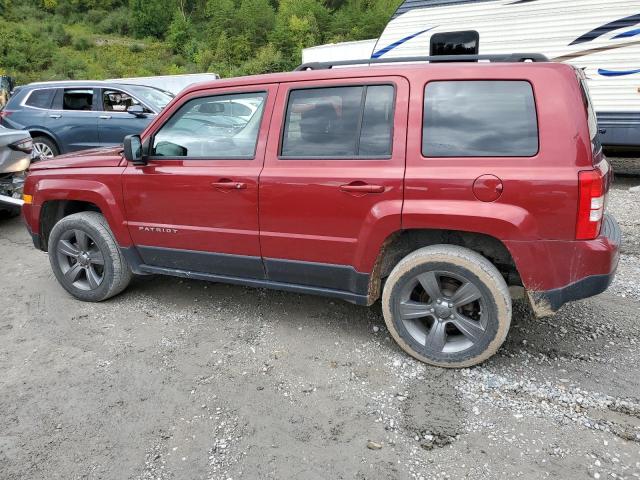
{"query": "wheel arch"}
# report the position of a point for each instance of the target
(86, 195)
(40, 132)
(401, 243)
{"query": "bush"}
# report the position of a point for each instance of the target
(60, 36)
(116, 21)
(136, 48)
(82, 43)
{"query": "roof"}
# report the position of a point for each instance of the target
(389, 69)
(80, 84)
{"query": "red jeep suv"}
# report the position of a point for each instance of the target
(435, 186)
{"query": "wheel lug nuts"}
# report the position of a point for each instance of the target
(439, 301)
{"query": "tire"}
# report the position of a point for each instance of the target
(453, 333)
(77, 244)
(43, 145)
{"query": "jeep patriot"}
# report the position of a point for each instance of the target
(434, 187)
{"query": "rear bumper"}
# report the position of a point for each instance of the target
(601, 254)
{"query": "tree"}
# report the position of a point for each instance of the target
(221, 15)
(180, 34)
(299, 24)
(151, 18)
(256, 19)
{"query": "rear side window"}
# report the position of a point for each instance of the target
(591, 116)
(77, 99)
(479, 119)
(339, 122)
(40, 98)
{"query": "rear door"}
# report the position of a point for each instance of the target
(114, 122)
(331, 188)
(73, 119)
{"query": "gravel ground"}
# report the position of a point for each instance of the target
(180, 379)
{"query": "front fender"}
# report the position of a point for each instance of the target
(107, 198)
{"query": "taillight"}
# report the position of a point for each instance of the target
(5, 113)
(591, 204)
(25, 145)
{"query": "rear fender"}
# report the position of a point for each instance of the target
(504, 222)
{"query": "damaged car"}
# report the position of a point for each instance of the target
(16, 147)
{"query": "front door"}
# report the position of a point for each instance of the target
(331, 188)
(194, 206)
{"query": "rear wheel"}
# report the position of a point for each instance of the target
(86, 259)
(44, 147)
(447, 306)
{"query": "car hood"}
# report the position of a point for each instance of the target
(95, 157)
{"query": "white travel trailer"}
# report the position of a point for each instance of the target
(601, 37)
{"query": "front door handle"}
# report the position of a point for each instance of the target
(228, 184)
(362, 188)
(54, 116)
(105, 117)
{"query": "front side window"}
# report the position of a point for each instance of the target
(339, 122)
(207, 128)
(40, 98)
(117, 101)
(77, 99)
(479, 119)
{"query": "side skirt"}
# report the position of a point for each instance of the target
(337, 281)
(258, 283)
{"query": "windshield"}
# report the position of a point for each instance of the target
(152, 96)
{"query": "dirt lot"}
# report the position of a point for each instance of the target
(190, 380)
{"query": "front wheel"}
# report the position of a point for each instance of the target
(86, 259)
(447, 306)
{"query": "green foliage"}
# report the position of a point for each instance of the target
(115, 21)
(97, 39)
(151, 18)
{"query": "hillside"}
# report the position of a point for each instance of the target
(94, 39)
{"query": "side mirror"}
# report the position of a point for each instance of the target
(133, 150)
(136, 110)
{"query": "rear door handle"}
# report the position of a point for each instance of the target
(54, 116)
(105, 117)
(227, 184)
(362, 188)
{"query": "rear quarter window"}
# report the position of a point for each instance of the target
(40, 98)
(479, 118)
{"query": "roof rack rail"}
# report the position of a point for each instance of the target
(501, 58)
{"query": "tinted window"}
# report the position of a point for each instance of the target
(81, 99)
(204, 128)
(455, 43)
(479, 119)
(591, 116)
(377, 122)
(40, 98)
(339, 122)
